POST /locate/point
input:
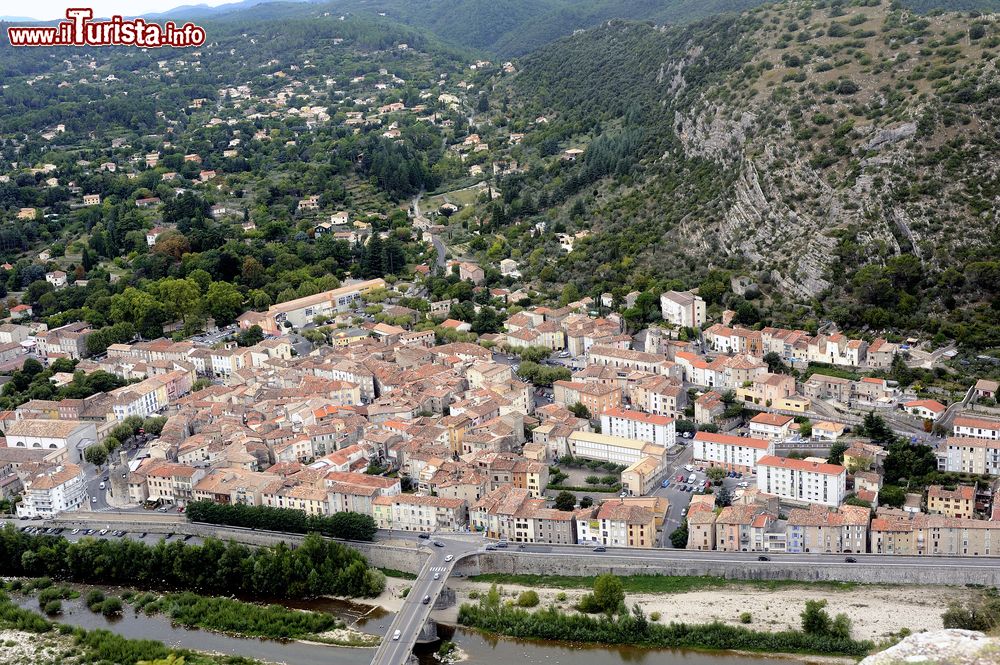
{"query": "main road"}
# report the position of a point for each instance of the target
(397, 645)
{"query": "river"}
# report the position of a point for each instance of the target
(481, 649)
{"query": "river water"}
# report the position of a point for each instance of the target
(481, 649)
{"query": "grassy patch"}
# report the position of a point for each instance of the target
(655, 583)
(399, 574)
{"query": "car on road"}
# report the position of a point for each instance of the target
(688, 468)
(102, 485)
(665, 483)
(850, 559)
(93, 499)
(491, 548)
(426, 600)
(763, 558)
(437, 576)
(744, 484)
(502, 543)
(564, 354)
(450, 557)
(684, 512)
(438, 543)
(600, 548)
(424, 536)
(396, 635)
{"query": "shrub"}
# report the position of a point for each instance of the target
(746, 617)
(94, 599)
(527, 599)
(112, 606)
(561, 596)
(655, 616)
(53, 607)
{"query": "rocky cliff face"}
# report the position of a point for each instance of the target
(810, 163)
(943, 647)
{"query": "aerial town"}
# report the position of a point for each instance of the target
(448, 437)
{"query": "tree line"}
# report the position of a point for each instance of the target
(314, 568)
(345, 525)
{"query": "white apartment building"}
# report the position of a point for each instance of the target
(620, 450)
(49, 490)
(412, 512)
(683, 309)
(802, 480)
(770, 426)
(638, 425)
(733, 453)
(976, 428)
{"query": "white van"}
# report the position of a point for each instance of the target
(688, 468)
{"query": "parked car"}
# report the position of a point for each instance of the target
(600, 548)
(665, 483)
(502, 543)
(491, 548)
(684, 512)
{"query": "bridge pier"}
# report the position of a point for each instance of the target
(428, 632)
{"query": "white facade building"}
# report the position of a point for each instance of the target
(638, 425)
(683, 309)
(590, 445)
(49, 490)
(733, 453)
(802, 480)
(42, 434)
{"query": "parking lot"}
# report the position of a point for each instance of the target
(76, 534)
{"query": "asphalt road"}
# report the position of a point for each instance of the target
(414, 613)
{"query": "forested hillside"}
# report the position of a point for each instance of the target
(843, 158)
(507, 28)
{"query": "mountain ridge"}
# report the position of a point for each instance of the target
(830, 153)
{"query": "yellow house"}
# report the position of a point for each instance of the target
(960, 502)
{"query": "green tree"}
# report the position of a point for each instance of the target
(893, 496)
(609, 593)
(224, 302)
(837, 451)
(815, 619)
(580, 411)
(565, 501)
(96, 454)
(723, 498)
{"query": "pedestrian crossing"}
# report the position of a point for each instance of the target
(439, 569)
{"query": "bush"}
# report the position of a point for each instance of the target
(93, 599)
(112, 606)
(608, 595)
(527, 599)
(53, 607)
(655, 616)
(746, 617)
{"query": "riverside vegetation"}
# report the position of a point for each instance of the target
(57, 643)
(613, 624)
(315, 567)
